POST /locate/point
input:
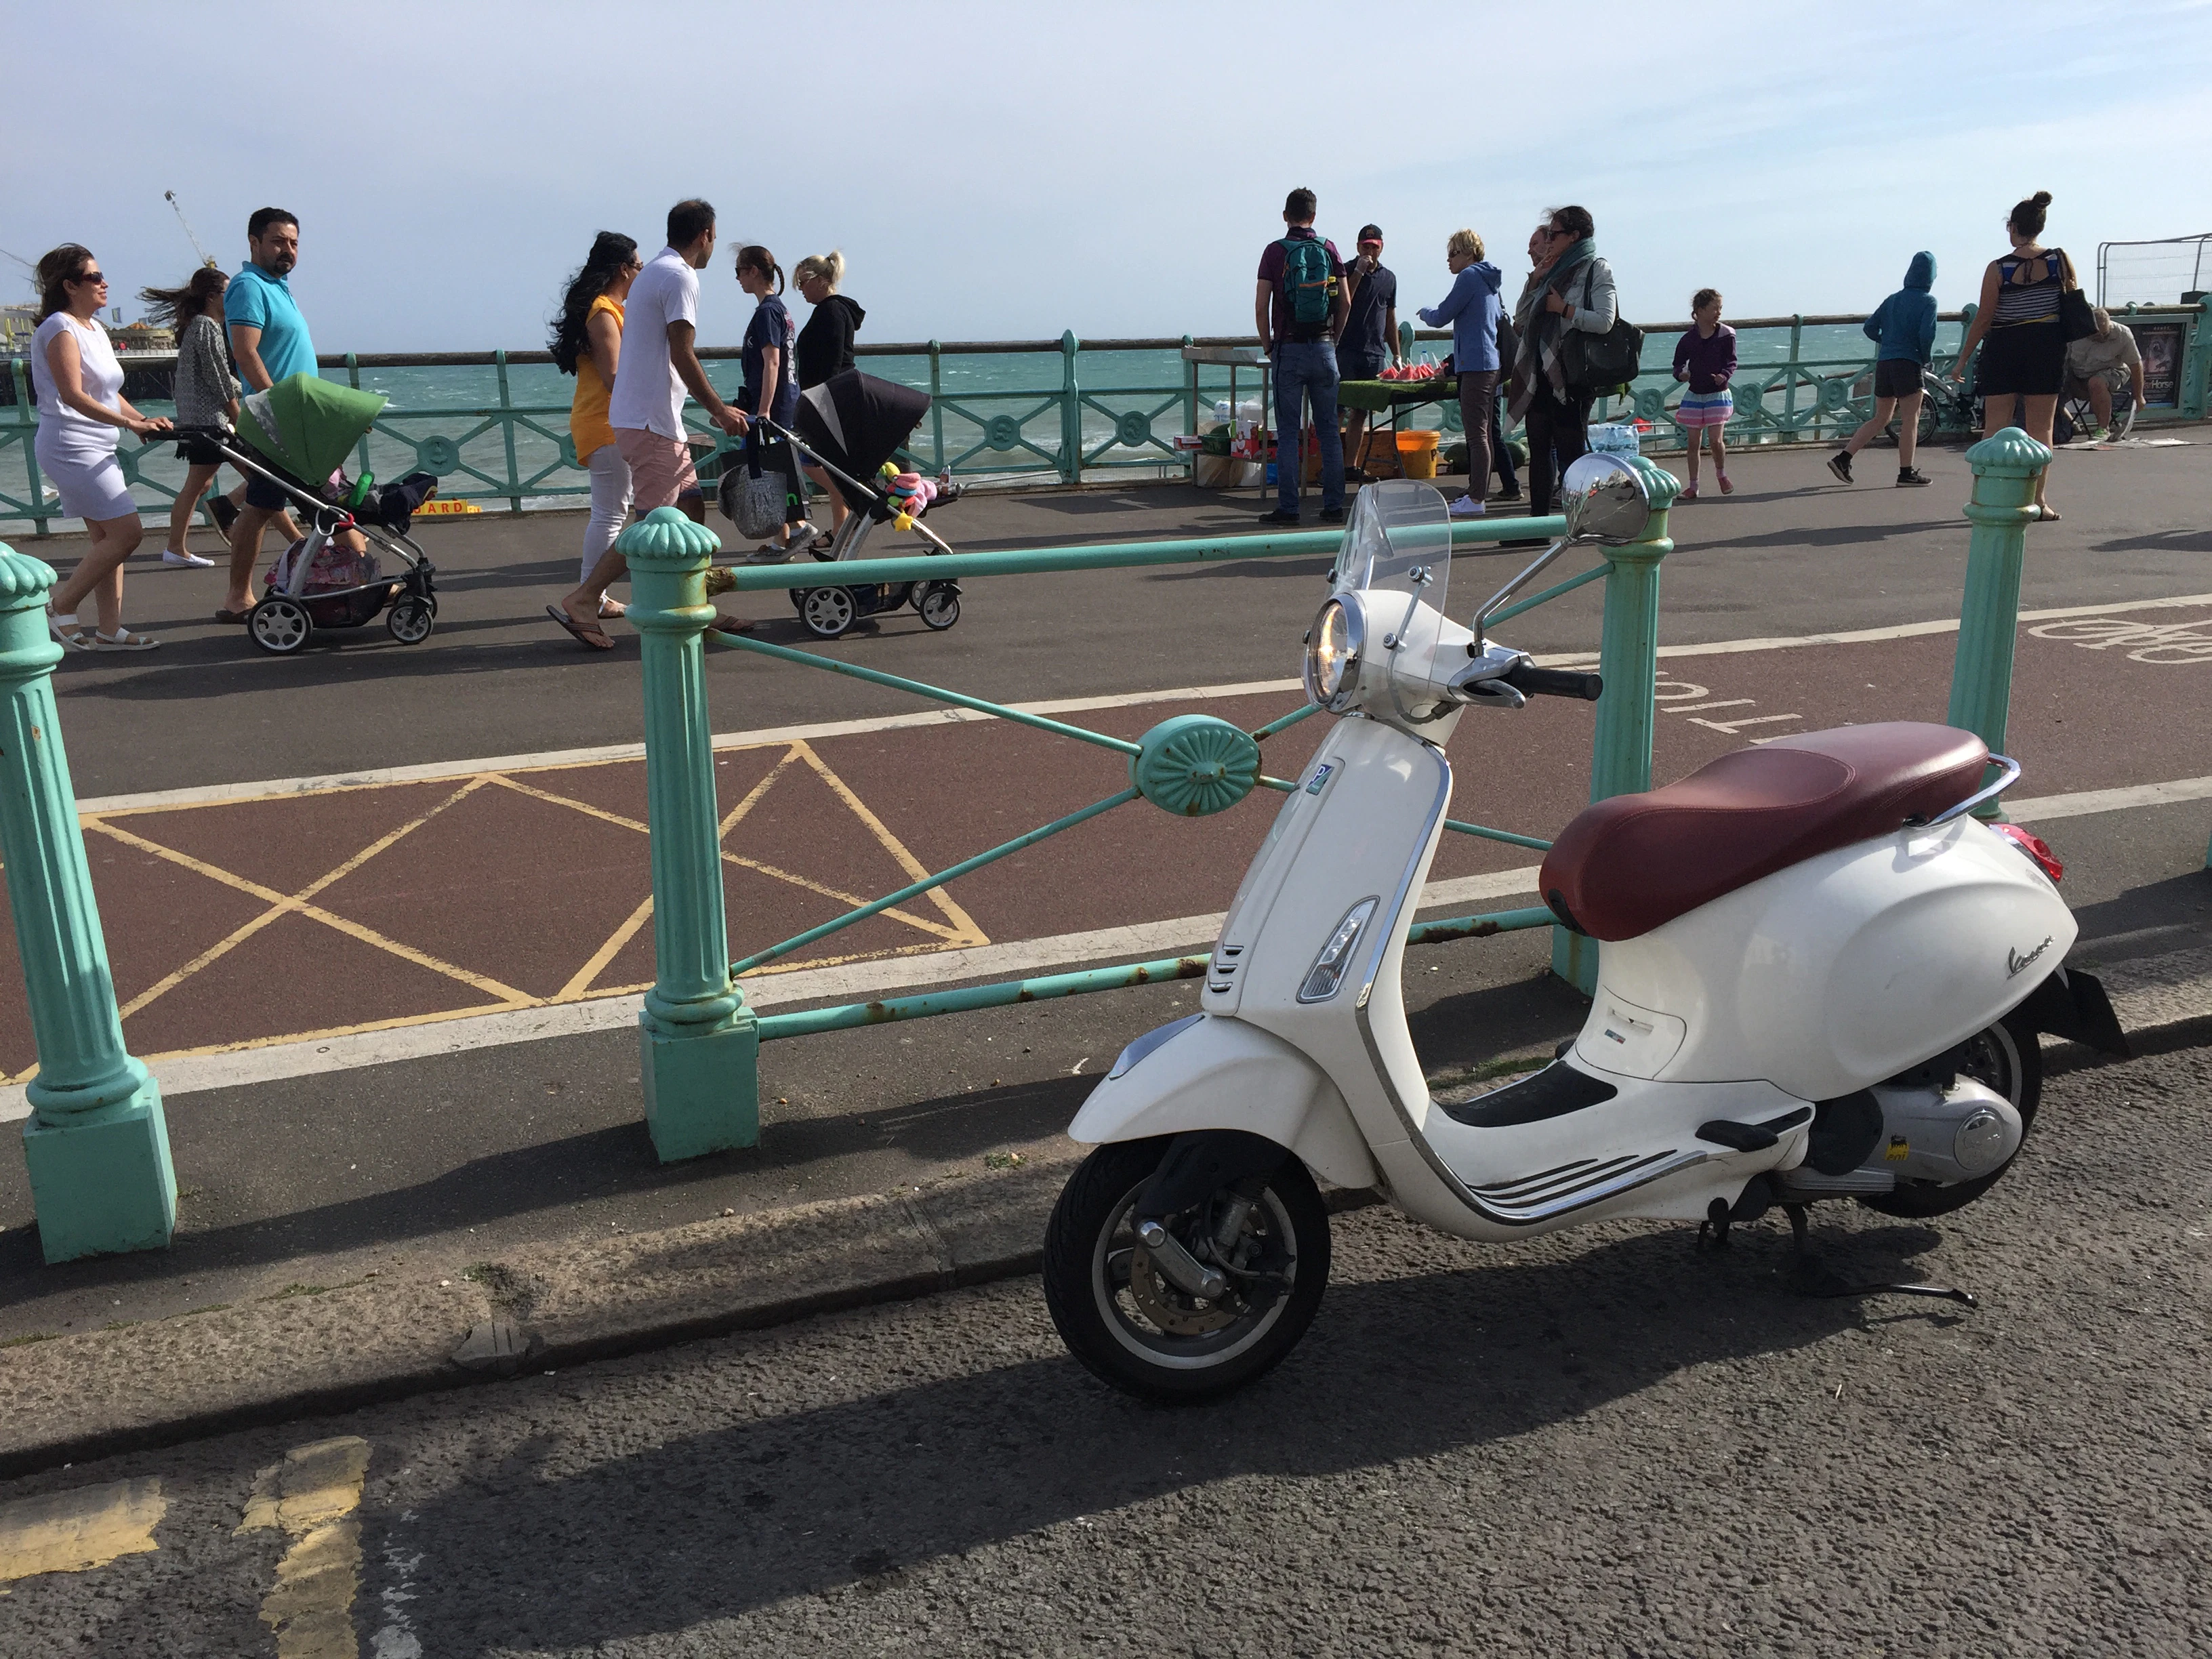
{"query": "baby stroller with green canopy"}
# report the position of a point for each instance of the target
(301, 429)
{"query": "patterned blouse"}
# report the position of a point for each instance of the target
(204, 385)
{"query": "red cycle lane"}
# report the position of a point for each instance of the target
(305, 914)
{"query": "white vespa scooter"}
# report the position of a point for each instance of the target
(1821, 978)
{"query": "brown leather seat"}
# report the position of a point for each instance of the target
(1625, 865)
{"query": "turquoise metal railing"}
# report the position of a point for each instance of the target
(1190, 765)
(1092, 408)
(97, 1147)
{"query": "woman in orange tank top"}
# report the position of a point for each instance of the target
(587, 343)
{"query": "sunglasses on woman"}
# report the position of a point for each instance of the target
(89, 277)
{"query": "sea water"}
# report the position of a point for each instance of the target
(458, 403)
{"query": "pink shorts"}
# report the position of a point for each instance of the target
(660, 468)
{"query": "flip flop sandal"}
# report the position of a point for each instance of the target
(124, 640)
(609, 610)
(231, 616)
(593, 639)
(65, 628)
(2047, 515)
(732, 625)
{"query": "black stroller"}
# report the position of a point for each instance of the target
(850, 426)
(303, 427)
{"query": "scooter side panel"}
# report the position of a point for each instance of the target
(1223, 1073)
(1843, 970)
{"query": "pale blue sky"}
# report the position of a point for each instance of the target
(995, 171)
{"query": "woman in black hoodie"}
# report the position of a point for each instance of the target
(825, 344)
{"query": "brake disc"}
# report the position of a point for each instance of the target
(1173, 1310)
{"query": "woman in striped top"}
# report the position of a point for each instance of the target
(2017, 326)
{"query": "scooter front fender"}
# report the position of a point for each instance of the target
(1219, 1072)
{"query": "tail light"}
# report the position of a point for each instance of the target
(2033, 849)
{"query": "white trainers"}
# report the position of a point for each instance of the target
(1466, 508)
(186, 561)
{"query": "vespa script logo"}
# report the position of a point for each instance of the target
(2014, 962)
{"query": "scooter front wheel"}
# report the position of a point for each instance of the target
(1132, 1326)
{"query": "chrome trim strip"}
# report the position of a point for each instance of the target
(1639, 1173)
(2011, 769)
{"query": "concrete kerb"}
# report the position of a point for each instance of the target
(163, 1383)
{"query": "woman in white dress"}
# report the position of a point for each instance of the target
(81, 413)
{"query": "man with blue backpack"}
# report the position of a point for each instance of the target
(1301, 308)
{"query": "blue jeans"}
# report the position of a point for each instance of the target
(1305, 373)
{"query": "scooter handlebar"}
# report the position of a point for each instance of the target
(1531, 681)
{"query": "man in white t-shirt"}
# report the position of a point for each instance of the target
(660, 362)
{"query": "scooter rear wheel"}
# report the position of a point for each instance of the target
(2008, 1057)
(1130, 1327)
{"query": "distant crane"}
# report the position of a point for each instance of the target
(170, 197)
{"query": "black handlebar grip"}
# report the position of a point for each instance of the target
(1533, 681)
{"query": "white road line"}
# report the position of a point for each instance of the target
(850, 982)
(2109, 800)
(208, 794)
(432, 771)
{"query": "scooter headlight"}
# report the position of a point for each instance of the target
(1333, 649)
(1326, 977)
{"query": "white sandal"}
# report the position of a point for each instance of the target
(124, 640)
(65, 628)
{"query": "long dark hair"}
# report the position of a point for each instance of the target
(610, 251)
(173, 308)
(57, 267)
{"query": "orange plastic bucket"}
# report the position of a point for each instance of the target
(1417, 453)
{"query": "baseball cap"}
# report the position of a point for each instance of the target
(1370, 234)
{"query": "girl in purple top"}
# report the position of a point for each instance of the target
(1704, 358)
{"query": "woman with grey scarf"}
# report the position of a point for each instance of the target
(1570, 290)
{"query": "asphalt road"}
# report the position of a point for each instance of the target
(1790, 553)
(1602, 1441)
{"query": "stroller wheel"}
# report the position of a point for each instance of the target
(411, 619)
(279, 625)
(939, 605)
(828, 611)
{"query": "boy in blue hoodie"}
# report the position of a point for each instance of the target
(1903, 328)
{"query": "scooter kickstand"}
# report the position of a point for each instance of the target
(1713, 1230)
(1810, 1276)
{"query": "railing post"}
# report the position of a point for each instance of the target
(1628, 657)
(2197, 364)
(353, 380)
(1789, 396)
(1071, 412)
(2006, 468)
(96, 1145)
(24, 404)
(937, 401)
(700, 1048)
(507, 431)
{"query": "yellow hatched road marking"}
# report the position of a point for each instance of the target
(283, 904)
(959, 930)
(969, 933)
(71, 1531)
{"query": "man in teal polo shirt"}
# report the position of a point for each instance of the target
(269, 339)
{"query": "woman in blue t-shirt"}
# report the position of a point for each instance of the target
(771, 384)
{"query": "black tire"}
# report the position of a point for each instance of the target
(828, 611)
(279, 625)
(2007, 1057)
(939, 605)
(1093, 1263)
(411, 619)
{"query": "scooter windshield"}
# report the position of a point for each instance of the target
(1397, 556)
